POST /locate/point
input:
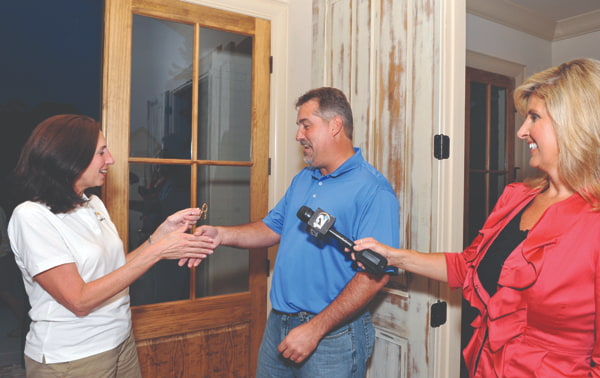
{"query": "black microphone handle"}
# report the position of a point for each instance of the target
(372, 261)
(341, 238)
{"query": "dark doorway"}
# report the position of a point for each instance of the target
(489, 159)
(51, 64)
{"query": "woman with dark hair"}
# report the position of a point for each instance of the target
(533, 272)
(74, 267)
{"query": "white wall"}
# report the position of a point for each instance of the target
(576, 47)
(501, 46)
(492, 39)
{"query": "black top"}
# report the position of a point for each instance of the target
(491, 264)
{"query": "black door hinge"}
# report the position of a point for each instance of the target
(271, 64)
(441, 146)
(268, 266)
(438, 314)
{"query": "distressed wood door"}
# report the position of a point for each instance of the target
(185, 111)
(387, 56)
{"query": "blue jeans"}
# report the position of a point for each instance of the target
(343, 352)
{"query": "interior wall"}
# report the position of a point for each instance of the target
(535, 54)
(581, 46)
(496, 40)
(494, 46)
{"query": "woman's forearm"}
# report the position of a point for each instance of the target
(431, 265)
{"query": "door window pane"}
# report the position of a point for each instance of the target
(162, 105)
(161, 88)
(226, 192)
(489, 135)
(224, 116)
(478, 126)
(498, 128)
(497, 184)
(477, 204)
(157, 191)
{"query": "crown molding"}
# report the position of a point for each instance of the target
(513, 16)
(574, 26)
(531, 22)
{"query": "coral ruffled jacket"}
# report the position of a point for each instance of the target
(542, 321)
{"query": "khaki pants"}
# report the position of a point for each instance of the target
(121, 362)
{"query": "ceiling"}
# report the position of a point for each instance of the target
(551, 20)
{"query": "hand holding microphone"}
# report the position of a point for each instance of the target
(320, 223)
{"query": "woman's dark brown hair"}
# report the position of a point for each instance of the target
(55, 155)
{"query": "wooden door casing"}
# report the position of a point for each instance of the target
(210, 336)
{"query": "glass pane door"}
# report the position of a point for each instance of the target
(189, 146)
(489, 153)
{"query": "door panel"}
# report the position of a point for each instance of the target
(206, 351)
(186, 92)
(385, 55)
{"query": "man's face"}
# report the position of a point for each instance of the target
(313, 134)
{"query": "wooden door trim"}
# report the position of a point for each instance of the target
(116, 107)
(185, 12)
(150, 321)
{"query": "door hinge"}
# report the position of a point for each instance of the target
(441, 146)
(268, 267)
(269, 167)
(438, 314)
(271, 64)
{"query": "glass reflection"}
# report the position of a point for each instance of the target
(161, 75)
(161, 127)
(498, 128)
(226, 190)
(497, 184)
(157, 191)
(478, 126)
(477, 204)
(225, 106)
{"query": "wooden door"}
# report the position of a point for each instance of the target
(389, 57)
(489, 136)
(185, 112)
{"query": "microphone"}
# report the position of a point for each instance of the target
(320, 223)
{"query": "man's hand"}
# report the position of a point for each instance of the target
(212, 239)
(299, 343)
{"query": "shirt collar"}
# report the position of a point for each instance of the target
(353, 162)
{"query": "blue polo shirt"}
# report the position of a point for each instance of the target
(310, 273)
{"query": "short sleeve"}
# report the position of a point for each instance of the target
(35, 240)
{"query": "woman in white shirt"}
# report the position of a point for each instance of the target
(74, 267)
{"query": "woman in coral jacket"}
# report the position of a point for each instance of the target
(533, 272)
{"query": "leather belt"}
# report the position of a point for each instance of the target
(294, 314)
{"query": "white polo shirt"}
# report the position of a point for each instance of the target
(87, 237)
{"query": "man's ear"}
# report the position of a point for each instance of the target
(337, 125)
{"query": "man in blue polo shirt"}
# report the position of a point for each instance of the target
(320, 325)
